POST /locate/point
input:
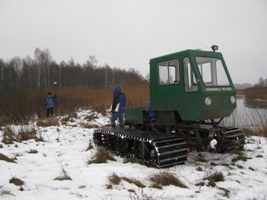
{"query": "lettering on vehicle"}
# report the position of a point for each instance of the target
(219, 89)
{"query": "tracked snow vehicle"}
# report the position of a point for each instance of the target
(190, 93)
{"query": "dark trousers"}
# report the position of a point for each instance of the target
(49, 110)
(114, 117)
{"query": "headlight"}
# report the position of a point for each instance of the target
(208, 101)
(232, 99)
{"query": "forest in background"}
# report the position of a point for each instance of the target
(42, 71)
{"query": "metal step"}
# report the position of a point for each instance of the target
(182, 157)
(173, 152)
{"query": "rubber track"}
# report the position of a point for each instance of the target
(236, 135)
(166, 150)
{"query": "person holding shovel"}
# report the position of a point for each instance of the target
(49, 104)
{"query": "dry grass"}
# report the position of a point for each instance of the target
(256, 93)
(90, 146)
(256, 98)
(27, 135)
(225, 191)
(248, 132)
(65, 119)
(213, 178)
(262, 132)
(23, 134)
(137, 93)
(32, 151)
(201, 183)
(258, 132)
(63, 176)
(16, 181)
(30, 102)
(8, 136)
(164, 179)
(91, 117)
(114, 179)
(48, 122)
(5, 158)
(101, 156)
(133, 181)
(240, 157)
(86, 125)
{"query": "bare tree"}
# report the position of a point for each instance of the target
(43, 60)
(42, 71)
(261, 82)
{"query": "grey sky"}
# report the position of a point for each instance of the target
(126, 34)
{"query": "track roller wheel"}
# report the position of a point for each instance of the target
(141, 150)
(110, 141)
(123, 145)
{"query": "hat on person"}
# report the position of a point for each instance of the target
(49, 93)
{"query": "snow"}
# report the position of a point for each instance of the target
(63, 152)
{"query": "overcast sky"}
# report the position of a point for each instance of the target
(126, 34)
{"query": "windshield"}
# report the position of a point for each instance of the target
(212, 71)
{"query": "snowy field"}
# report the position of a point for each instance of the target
(63, 154)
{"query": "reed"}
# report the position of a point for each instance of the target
(256, 93)
(19, 108)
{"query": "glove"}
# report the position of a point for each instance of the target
(55, 95)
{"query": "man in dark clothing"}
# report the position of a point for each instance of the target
(49, 104)
(118, 104)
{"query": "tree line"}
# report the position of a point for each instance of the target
(42, 71)
(261, 83)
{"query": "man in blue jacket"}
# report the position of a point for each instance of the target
(118, 104)
(49, 104)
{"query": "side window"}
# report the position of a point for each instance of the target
(189, 77)
(169, 72)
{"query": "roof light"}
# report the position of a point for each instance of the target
(214, 48)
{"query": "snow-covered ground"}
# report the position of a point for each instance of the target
(63, 152)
